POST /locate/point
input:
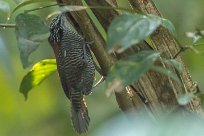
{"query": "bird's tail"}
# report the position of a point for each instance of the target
(80, 117)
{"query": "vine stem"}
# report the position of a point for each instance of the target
(85, 7)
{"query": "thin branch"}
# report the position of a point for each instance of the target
(85, 7)
(48, 6)
(8, 25)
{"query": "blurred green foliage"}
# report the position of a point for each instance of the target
(143, 125)
(47, 110)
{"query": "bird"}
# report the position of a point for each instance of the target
(75, 66)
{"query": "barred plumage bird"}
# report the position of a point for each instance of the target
(75, 67)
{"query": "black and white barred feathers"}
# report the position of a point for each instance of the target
(75, 67)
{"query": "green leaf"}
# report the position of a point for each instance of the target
(166, 72)
(27, 2)
(169, 25)
(130, 69)
(31, 30)
(37, 75)
(129, 29)
(175, 63)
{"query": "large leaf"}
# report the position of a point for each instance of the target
(37, 74)
(27, 2)
(129, 29)
(130, 69)
(31, 30)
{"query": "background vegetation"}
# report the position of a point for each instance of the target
(46, 112)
